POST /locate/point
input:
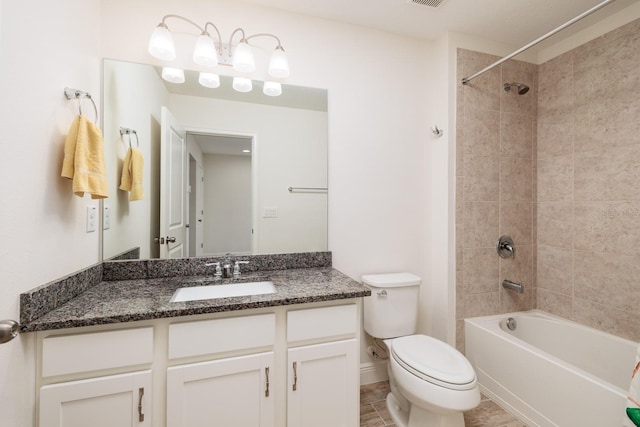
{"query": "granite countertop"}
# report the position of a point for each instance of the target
(143, 299)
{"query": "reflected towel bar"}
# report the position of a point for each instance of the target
(319, 189)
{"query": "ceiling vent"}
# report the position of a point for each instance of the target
(432, 3)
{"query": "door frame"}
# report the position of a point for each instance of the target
(254, 171)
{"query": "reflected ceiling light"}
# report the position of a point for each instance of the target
(242, 84)
(208, 53)
(272, 89)
(173, 75)
(209, 80)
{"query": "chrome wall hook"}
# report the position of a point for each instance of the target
(437, 132)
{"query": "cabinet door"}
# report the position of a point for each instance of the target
(113, 401)
(234, 392)
(324, 385)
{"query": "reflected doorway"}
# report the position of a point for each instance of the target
(220, 194)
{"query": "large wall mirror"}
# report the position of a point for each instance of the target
(223, 172)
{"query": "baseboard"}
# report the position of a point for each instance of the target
(373, 372)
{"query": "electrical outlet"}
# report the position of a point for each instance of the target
(92, 219)
(106, 218)
(270, 212)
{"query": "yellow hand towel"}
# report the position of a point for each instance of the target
(84, 159)
(132, 174)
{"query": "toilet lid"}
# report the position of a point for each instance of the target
(434, 361)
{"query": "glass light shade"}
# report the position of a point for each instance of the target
(204, 53)
(243, 59)
(173, 75)
(242, 84)
(272, 89)
(278, 65)
(209, 80)
(161, 44)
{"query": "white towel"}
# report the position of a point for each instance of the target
(632, 415)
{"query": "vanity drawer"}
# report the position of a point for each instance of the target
(72, 354)
(221, 335)
(322, 322)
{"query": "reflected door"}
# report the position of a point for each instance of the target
(173, 209)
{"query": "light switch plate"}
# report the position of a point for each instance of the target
(106, 218)
(92, 219)
(270, 212)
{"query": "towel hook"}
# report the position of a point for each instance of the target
(128, 132)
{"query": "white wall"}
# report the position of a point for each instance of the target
(133, 101)
(227, 204)
(45, 47)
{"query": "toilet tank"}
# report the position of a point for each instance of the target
(392, 309)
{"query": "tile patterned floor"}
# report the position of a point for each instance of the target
(373, 410)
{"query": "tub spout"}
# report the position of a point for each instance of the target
(508, 284)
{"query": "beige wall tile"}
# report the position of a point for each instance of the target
(605, 318)
(481, 178)
(608, 279)
(554, 303)
(482, 304)
(516, 220)
(555, 224)
(511, 301)
(480, 224)
(516, 135)
(481, 92)
(520, 268)
(515, 179)
(610, 174)
(555, 269)
(481, 270)
(481, 134)
(607, 227)
(555, 136)
(555, 179)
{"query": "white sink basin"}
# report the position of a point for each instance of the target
(195, 293)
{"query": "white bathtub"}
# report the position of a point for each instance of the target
(550, 371)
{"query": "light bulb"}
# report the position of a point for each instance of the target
(242, 84)
(243, 59)
(278, 64)
(173, 75)
(209, 80)
(272, 89)
(161, 44)
(204, 52)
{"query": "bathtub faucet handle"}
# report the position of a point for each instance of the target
(505, 247)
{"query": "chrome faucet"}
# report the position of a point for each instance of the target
(218, 272)
(236, 268)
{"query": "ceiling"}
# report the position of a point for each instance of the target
(514, 22)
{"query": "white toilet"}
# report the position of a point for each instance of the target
(432, 383)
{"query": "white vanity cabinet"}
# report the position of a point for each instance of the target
(229, 391)
(323, 379)
(294, 366)
(101, 401)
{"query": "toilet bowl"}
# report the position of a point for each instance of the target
(431, 382)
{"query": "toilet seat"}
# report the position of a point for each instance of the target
(434, 361)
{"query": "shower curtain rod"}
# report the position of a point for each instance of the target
(466, 80)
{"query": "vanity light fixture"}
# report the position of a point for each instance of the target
(208, 53)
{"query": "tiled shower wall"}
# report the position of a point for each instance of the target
(559, 170)
(589, 183)
(495, 185)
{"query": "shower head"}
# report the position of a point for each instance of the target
(522, 88)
